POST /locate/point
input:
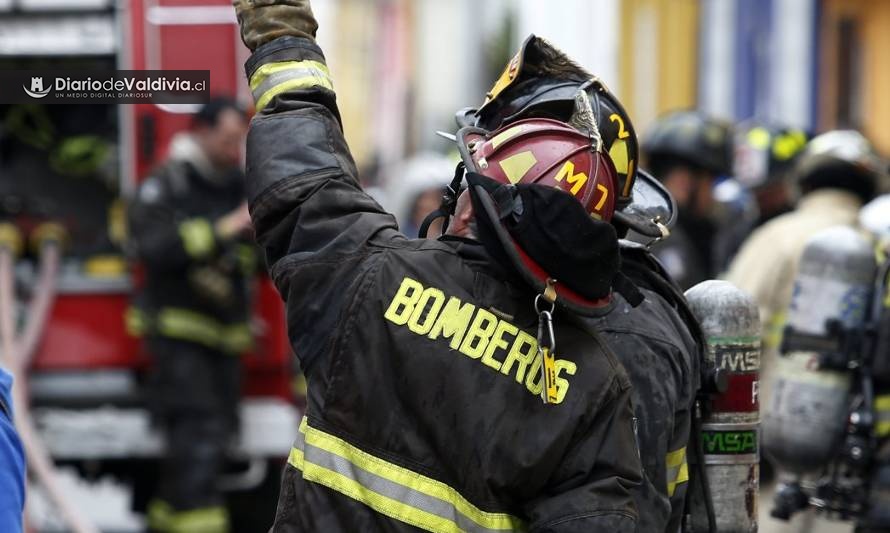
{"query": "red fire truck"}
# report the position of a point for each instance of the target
(73, 165)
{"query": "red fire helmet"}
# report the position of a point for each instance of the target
(544, 152)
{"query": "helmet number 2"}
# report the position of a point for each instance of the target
(622, 133)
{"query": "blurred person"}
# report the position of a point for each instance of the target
(417, 190)
(836, 173)
(425, 386)
(12, 462)
(190, 229)
(764, 156)
(734, 216)
(652, 333)
(759, 189)
(688, 151)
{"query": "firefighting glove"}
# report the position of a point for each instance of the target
(262, 21)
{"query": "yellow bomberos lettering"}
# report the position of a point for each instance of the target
(523, 352)
(453, 321)
(476, 333)
(534, 380)
(477, 338)
(402, 305)
(422, 319)
(568, 172)
(562, 384)
(498, 342)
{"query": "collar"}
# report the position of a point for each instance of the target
(830, 199)
(477, 257)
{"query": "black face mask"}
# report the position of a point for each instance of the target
(554, 230)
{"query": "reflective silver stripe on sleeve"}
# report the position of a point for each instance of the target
(390, 489)
(272, 79)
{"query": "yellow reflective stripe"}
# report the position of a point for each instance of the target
(882, 413)
(162, 517)
(268, 69)
(197, 237)
(772, 335)
(191, 326)
(247, 259)
(237, 338)
(272, 79)
(427, 503)
(135, 322)
(677, 469)
(759, 138)
(295, 458)
(188, 325)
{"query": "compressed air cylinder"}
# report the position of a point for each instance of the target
(807, 414)
(730, 423)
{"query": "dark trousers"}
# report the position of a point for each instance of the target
(194, 393)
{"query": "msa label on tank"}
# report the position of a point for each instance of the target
(729, 442)
(737, 358)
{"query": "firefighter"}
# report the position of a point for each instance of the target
(655, 337)
(836, 174)
(427, 405)
(189, 227)
(760, 189)
(688, 151)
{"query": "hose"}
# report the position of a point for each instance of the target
(19, 357)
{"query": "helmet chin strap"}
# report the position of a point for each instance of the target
(449, 203)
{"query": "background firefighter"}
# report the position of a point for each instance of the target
(188, 224)
(412, 425)
(836, 173)
(688, 151)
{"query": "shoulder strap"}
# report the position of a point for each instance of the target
(449, 202)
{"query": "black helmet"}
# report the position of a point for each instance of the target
(843, 159)
(765, 153)
(693, 138)
(542, 82)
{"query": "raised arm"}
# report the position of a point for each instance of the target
(315, 223)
